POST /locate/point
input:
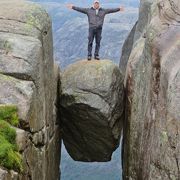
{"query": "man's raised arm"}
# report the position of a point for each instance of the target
(113, 10)
(79, 9)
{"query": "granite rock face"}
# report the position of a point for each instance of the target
(91, 109)
(151, 147)
(30, 80)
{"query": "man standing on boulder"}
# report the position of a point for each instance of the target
(96, 16)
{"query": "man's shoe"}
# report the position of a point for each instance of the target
(89, 58)
(97, 57)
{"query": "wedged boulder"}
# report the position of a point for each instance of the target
(91, 109)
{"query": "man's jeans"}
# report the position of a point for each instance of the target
(94, 32)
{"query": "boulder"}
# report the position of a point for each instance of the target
(91, 109)
(151, 148)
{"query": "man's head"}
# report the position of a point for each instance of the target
(96, 4)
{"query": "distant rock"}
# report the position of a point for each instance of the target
(152, 127)
(91, 109)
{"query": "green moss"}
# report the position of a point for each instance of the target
(9, 114)
(8, 132)
(10, 158)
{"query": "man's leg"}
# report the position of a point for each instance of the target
(98, 41)
(90, 41)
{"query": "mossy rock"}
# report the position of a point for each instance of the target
(9, 114)
(8, 132)
(10, 158)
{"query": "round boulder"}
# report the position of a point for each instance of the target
(91, 109)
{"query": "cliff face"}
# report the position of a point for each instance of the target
(29, 79)
(151, 147)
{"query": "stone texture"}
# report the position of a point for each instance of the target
(91, 109)
(126, 50)
(151, 147)
(6, 175)
(30, 79)
(3, 174)
(21, 139)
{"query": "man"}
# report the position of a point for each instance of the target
(96, 16)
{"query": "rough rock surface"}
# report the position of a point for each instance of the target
(91, 109)
(29, 79)
(152, 127)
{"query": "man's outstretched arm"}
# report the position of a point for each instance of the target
(79, 9)
(113, 10)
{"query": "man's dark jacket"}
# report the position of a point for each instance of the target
(95, 20)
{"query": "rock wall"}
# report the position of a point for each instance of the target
(151, 148)
(30, 79)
